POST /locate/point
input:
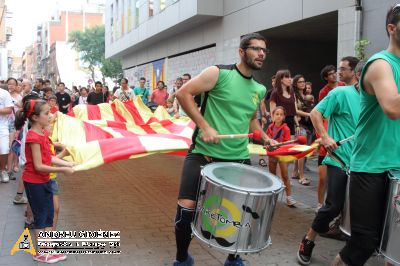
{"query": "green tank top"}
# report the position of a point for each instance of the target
(377, 138)
(229, 108)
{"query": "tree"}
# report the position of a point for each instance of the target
(111, 69)
(91, 44)
(360, 48)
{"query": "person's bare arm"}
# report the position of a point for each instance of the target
(6, 110)
(40, 167)
(204, 82)
(60, 162)
(379, 81)
(272, 106)
(318, 122)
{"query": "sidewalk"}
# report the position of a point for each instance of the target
(138, 197)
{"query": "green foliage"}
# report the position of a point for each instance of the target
(91, 44)
(112, 69)
(360, 48)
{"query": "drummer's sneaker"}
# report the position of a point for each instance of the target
(290, 201)
(305, 251)
(188, 262)
(236, 262)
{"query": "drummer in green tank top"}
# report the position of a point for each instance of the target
(231, 98)
(376, 147)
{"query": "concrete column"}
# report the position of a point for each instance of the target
(156, 7)
(348, 31)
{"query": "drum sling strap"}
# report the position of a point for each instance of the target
(202, 111)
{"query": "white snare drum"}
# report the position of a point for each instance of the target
(390, 243)
(345, 220)
(235, 207)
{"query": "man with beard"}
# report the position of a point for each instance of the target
(38, 88)
(231, 97)
(376, 147)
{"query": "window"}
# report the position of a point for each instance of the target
(151, 8)
(112, 22)
(162, 5)
(137, 5)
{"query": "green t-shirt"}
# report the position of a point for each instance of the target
(377, 138)
(342, 108)
(143, 93)
(230, 106)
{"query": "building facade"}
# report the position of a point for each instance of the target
(58, 30)
(4, 38)
(161, 39)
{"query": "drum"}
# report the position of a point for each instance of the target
(390, 243)
(235, 207)
(345, 220)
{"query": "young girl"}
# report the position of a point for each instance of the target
(37, 169)
(53, 104)
(280, 132)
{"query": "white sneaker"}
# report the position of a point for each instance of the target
(4, 177)
(290, 201)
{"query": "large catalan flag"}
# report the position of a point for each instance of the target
(285, 153)
(98, 134)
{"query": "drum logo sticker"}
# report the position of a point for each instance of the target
(221, 218)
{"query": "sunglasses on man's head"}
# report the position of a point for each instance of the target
(396, 9)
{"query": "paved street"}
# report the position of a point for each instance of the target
(138, 197)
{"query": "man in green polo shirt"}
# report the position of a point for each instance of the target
(376, 147)
(342, 108)
(231, 98)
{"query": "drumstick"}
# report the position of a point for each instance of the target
(300, 140)
(340, 142)
(256, 134)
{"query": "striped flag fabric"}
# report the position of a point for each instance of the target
(99, 134)
(285, 153)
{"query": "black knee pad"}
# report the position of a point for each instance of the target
(184, 216)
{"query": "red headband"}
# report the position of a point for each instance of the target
(31, 108)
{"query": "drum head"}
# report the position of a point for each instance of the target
(242, 177)
(394, 174)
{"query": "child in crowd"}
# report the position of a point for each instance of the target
(170, 107)
(280, 132)
(53, 104)
(308, 90)
(83, 98)
(37, 168)
(48, 93)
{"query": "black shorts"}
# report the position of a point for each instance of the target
(40, 197)
(191, 176)
(368, 199)
(320, 159)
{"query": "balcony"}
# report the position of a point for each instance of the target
(176, 18)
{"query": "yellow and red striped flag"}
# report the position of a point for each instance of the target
(285, 153)
(98, 134)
